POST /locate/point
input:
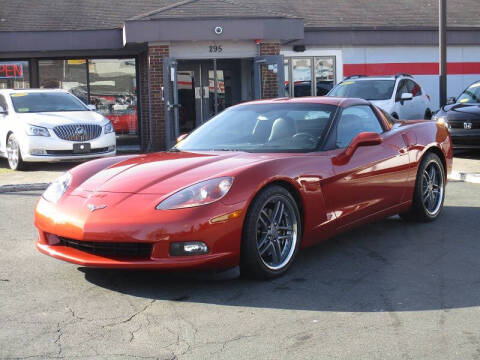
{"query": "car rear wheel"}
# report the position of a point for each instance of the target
(14, 155)
(271, 234)
(429, 191)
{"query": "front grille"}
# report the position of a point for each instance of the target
(70, 152)
(78, 132)
(110, 249)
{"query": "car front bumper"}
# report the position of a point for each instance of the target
(51, 149)
(123, 223)
(465, 139)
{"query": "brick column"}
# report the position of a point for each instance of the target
(269, 78)
(151, 63)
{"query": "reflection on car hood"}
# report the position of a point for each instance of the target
(52, 119)
(163, 173)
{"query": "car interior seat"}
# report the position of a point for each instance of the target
(282, 127)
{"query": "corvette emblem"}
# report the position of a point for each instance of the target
(467, 125)
(93, 207)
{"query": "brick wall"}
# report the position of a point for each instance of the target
(152, 61)
(269, 78)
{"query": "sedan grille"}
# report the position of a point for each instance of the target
(78, 132)
(130, 250)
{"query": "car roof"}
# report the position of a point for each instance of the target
(328, 100)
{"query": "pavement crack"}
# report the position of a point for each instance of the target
(131, 317)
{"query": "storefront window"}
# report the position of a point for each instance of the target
(111, 87)
(14, 74)
(310, 76)
(70, 75)
(302, 76)
(113, 90)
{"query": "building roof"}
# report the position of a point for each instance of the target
(57, 15)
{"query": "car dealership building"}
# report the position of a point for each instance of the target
(159, 68)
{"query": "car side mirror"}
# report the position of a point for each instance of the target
(91, 107)
(181, 137)
(3, 111)
(362, 139)
(406, 96)
(451, 100)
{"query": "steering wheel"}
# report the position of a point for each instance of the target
(305, 137)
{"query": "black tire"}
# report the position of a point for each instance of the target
(428, 115)
(263, 233)
(14, 154)
(427, 204)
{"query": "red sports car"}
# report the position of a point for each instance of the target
(249, 188)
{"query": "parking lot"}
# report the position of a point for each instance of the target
(386, 290)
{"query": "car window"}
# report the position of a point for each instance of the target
(402, 88)
(353, 121)
(364, 89)
(3, 102)
(390, 119)
(471, 94)
(414, 88)
(30, 102)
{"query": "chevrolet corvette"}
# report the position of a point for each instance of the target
(250, 187)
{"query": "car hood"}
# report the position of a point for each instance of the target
(52, 119)
(462, 111)
(163, 173)
(382, 104)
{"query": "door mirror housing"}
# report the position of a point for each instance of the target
(362, 139)
(181, 137)
(406, 96)
(91, 107)
(451, 100)
(3, 111)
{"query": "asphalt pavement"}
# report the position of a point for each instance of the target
(388, 290)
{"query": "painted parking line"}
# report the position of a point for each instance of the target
(466, 177)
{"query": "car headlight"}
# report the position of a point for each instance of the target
(440, 119)
(57, 188)
(108, 128)
(203, 193)
(33, 130)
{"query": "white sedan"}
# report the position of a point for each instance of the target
(51, 125)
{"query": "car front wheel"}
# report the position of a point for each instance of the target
(271, 234)
(14, 155)
(429, 191)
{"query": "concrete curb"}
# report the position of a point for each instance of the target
(466, 177)
(23, 187)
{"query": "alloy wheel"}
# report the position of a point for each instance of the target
(277, 230)
(432, 188)
(13, 152)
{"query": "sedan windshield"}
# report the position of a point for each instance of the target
(365, 89)
(297, 127)
(32, 102)
(471, 94)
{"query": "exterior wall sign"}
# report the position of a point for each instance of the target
(212, 49)
(11, 71)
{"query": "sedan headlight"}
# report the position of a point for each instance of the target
(33, 130)
(203, 193)
(440, 119)
(108, 128)
(57, 188)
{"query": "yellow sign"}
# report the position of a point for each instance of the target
(348, 83)
(18, 94)
(76, 61)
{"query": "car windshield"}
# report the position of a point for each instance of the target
(471, 94)
(365, 89)
(280, 127)
(32, 102)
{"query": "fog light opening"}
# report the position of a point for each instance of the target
(188, 248)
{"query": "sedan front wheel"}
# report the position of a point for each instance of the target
(271, 235)
(14, 155)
